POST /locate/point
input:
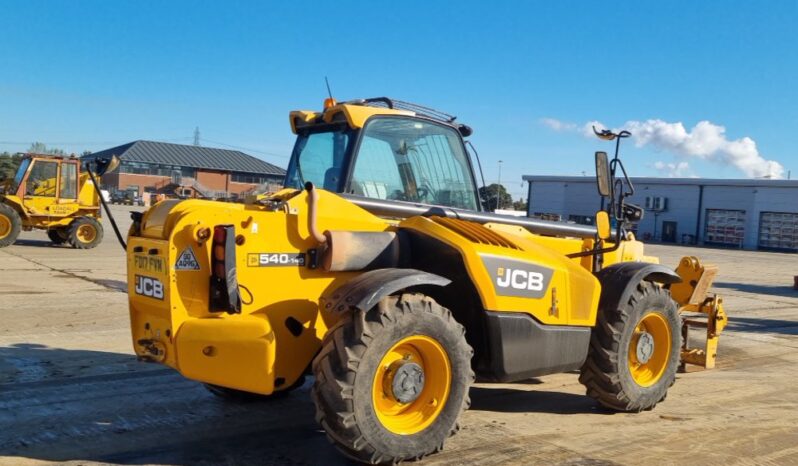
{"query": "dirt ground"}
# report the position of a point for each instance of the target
(71, 390)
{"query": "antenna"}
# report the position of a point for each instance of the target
(196, 136)
(327, 82)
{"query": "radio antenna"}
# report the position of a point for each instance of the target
(327, 82)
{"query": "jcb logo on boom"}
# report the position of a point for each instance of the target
(149, 287)
(517, 278)
(520, 279)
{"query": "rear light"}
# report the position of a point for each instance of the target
(224, 295)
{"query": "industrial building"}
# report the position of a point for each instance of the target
(748, 214)
(187, 171)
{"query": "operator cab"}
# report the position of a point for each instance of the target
(384, 149)
(46, 176)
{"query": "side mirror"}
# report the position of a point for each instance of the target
(603, 176)
(106, 165)
(603, 225)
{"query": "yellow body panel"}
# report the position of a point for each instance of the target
(181, 324)
(354, 115)
(273, 292)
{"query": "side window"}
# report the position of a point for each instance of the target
(376, 174)
(69, 181)
(413, 160)
(42, 179)
(319, 158)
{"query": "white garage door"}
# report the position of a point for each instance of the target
(725, 227)
(778, 230)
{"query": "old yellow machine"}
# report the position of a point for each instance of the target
(377, 271)
(56, 194)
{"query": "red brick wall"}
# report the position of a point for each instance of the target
(213, 180)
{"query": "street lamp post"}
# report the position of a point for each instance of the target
(498, 188)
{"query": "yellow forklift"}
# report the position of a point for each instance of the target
(377, 271)
(56, 194)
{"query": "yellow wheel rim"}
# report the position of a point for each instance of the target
(650, 349)
(86, 233)
(408, 355)
(5, 226)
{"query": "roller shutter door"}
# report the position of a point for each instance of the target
(778, 230)
(725, 227)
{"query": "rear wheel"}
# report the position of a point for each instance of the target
(58, 235)
(10, 224)
(391, 383)
(85, 233)
(634, 351)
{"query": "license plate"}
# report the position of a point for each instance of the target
(149, 264)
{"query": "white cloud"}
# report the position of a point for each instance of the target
(557, 125)
(674, 170)
(705, 141)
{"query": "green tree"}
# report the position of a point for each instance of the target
(8, 165)
(495, 196)
(520, 204)
(41, 148)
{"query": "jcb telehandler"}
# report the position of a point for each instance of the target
(377, 271)
(56, 194)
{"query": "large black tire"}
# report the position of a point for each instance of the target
(613, 356)
(231, 394)
(347, 371)
(10, 225)
(85, 233)
(58, 235)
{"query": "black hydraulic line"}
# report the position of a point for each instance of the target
(107, 210)
(401, 209)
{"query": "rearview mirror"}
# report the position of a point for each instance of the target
(603, 177)
(603, 225)
(106, 165)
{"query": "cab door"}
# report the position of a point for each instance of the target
(40, 189)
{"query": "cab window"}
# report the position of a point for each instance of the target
(413, 160)
(42, 179)
(69, 181)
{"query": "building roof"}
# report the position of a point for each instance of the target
(189, 156)
(674, 181)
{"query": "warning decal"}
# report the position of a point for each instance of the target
(187, 260)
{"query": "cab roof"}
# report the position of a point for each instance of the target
(356, 112)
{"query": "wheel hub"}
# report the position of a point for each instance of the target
(645, 347)
(407, 381)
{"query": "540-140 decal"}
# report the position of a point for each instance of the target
(276, 259)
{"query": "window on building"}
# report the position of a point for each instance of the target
(251, 178)
(156, 169)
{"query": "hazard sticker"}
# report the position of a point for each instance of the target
(187, 260)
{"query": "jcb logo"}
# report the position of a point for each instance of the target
(149, 287)
(519, 279)
(513, 277)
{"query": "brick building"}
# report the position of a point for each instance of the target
(188, 171)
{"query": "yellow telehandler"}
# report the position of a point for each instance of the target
(377, 271)
(53, 193)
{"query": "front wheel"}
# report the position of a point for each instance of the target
(634, 351)
(392, 382)
(10, 225)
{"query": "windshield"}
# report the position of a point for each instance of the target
(23, 167)
(413, 160)
(319, 157)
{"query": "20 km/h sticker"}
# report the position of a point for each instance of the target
(276, 259)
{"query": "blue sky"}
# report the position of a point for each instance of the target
(91, 74)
